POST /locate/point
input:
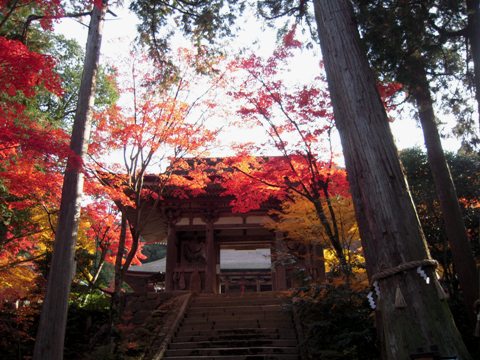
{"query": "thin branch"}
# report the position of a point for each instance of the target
(282, 14)
(9, 13)
(23, 261)
(32, 18)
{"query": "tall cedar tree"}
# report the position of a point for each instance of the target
(403, 49)
(389, 226)
(473, 12)
(465, 170)
(49, 343)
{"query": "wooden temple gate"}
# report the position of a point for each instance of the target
(196, 229)
(197, 235)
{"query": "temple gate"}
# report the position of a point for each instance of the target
(198, 230)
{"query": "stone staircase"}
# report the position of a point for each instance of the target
(251, 326)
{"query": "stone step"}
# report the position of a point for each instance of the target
(282, 333)
(237, 309)
(232, 351)
(236, 317)
(236, 357)
(235, 301)
(237, 320)
(249, 295)
(236, 325)
(219, 299)
(234, 343)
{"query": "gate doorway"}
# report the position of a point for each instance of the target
(245, 269)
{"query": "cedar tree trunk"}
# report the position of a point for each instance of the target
(51, 332)
(389, 226)
(473, 9)
(462, 253)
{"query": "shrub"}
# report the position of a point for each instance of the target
(337, 322)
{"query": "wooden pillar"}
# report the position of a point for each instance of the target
(211, 265)
(171, 256)
(280, 272)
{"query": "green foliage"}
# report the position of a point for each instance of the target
(337, 321)
(396, 32)
(406, 38)
(69, 55)
(154, 252)
(465, 170)
(205, 22)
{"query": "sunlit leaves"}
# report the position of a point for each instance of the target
(298, 218)
(23, 70)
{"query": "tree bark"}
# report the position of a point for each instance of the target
(388, 223)
(118, 278)
(51, 332)
(473, 10)
(333, 236)
(462, 253)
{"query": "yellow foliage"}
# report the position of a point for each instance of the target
(15, 282)
(298, 218)
(47, 223)
(17, 274)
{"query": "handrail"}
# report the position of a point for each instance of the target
(176, 323)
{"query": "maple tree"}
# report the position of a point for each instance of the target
(17, 17)
(162, 126)
(50, 9)
(31, 154)
(298, 122)
(298, 218)
(35, 154)
(33, 103)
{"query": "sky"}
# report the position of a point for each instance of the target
(119, 33)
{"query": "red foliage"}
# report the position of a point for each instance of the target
(254, 180)
(387, 93)
(24, 70)
(298, 121)
(50, 9)
(289, 40)
(104, 229)
(31, 155)
(159, 130)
